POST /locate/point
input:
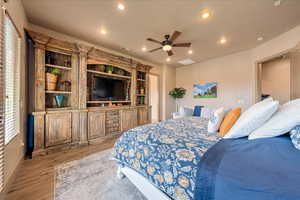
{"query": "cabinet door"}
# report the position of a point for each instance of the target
(58, 128)
(128, 119)
(143, 116)
(96, 124)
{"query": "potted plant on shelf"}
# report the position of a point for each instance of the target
(51, 78)
(177, 93)
(109, 69)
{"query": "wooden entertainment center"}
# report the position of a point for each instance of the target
(65, 113)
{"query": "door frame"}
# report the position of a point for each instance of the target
(258, 65)
(159, 95)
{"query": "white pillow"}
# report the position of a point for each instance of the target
(215, 122)
(253, 118)
(282, 122)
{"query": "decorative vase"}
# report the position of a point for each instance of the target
(59, 100)
(101, 68)
(51, 81)
(142, 91)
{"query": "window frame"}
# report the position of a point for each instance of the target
(6, 16)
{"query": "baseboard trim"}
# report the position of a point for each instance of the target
(11, 180)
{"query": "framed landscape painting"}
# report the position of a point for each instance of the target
(208, 90)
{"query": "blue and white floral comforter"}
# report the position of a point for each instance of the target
(167, 153)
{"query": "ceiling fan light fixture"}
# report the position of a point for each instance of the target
(167, 47)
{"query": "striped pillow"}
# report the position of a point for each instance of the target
(295, 136)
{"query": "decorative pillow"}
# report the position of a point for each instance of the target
(197, 111)
(281, 123)
(229, 121)
(215, 121)
(186, 111)
(295, 137)
(253, 118)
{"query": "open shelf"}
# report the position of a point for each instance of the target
(108, 102)
(59, 67)
(57, 92)
(140, 80)
(107, 74)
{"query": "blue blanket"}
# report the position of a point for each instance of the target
(239, 169)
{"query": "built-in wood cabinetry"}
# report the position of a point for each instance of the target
(82, 121)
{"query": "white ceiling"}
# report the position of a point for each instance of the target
(240, 21)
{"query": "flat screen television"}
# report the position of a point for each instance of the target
(108, 89)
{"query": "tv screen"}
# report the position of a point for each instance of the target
(107, 89)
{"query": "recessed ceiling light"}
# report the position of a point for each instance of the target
(121, 6)
(260, 39)
(223, 40)
(190, 51)
(103, 31)
(144, 49)
(205, 15)
(168, 59)
(277, 2)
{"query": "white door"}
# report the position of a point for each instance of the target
(154, 96)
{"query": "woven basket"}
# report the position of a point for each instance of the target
(51, 81)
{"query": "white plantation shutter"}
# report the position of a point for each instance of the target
(1, 105)
(11, 62)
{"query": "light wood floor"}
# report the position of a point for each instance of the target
(35, 178)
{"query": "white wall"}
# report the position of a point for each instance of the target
(236, 73)
(231, 74)
(169, 82)
(14, 151)
(276, 79)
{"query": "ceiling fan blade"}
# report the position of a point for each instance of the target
(182, 45)
(170, 53)
(175, 35)
(155, 49)
(153, 40)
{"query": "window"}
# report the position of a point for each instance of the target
(11, 63)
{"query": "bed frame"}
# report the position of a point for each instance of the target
(145, 187)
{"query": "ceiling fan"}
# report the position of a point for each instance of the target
(168, 43)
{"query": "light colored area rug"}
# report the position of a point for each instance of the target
(93, 178)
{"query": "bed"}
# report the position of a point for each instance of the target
(166, 154)
(178, 159)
